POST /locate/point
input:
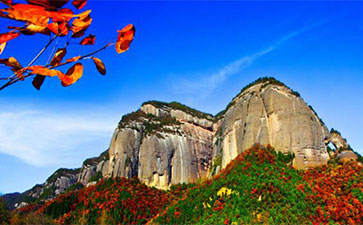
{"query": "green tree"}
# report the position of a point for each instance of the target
(4, 213)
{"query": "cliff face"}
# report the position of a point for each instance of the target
(57, 183)
(270, 113)
(169, 143)
(93, 169)
(162, 144)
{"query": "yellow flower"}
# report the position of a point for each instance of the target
(224, 191)
(206, 205)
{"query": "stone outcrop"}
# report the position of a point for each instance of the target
(57, 183)
(337, 140)
(94, 169)
(169, 143)
(162, 144)
(268, 112)
(347, 155)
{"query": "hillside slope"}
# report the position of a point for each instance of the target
(259, 186)
(164, 144)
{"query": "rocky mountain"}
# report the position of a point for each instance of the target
(169, 143)
(162, 144)
(268, 112)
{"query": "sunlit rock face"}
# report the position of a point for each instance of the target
(269, 113)
(162, 145)
(169, 143)
(93, 169)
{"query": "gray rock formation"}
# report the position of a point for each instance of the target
(268, 112)
(347, 155)
(57, 183)
(169, 143)
(94, 169)
(337, 140)
(162, 144)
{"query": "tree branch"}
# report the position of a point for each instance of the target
(52, 67)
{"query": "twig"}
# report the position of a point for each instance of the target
(52, 67)
(82, 57)
(50, 55)
(37, 56)
(12, 77)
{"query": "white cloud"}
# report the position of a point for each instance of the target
(43, 137)
(210, 81)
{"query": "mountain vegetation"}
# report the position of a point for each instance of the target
(260, 186)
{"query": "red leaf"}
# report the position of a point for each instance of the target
(99, 65)
(89, 40)
(41, 70)
(38, 81)
(79, 4)
(62, 15)
(125, 37)
(29, 13)
(60, 28)
(72, 75)
(7, 2)
(49, 4)
(58, 56)
(8, 36)
(80, 25)
(11, 62)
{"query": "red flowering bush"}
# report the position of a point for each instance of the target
(259, 186)
(110, 201)
(337, 192)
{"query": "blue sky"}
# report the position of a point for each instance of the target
(198, 53)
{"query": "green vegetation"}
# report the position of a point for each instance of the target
(104, 156)
(127, 161)
(259, 186)
(216, 162)
(31, 219)
(75, 187)
(48, 192)
(136, 116)
(110, 201)
(96, 177)
(154, 124)
(62, 172)
(4, 213)
(179, 106)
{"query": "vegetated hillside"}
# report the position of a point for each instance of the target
(164, 144)
(110, 201)
(259, 186)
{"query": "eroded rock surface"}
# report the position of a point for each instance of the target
(162, 145)
(169, 143)
(269, 113)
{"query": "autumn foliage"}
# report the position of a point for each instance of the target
(259, 186)
(114, 201)
(52, 18)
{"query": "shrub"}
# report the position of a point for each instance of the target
(4, 213)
